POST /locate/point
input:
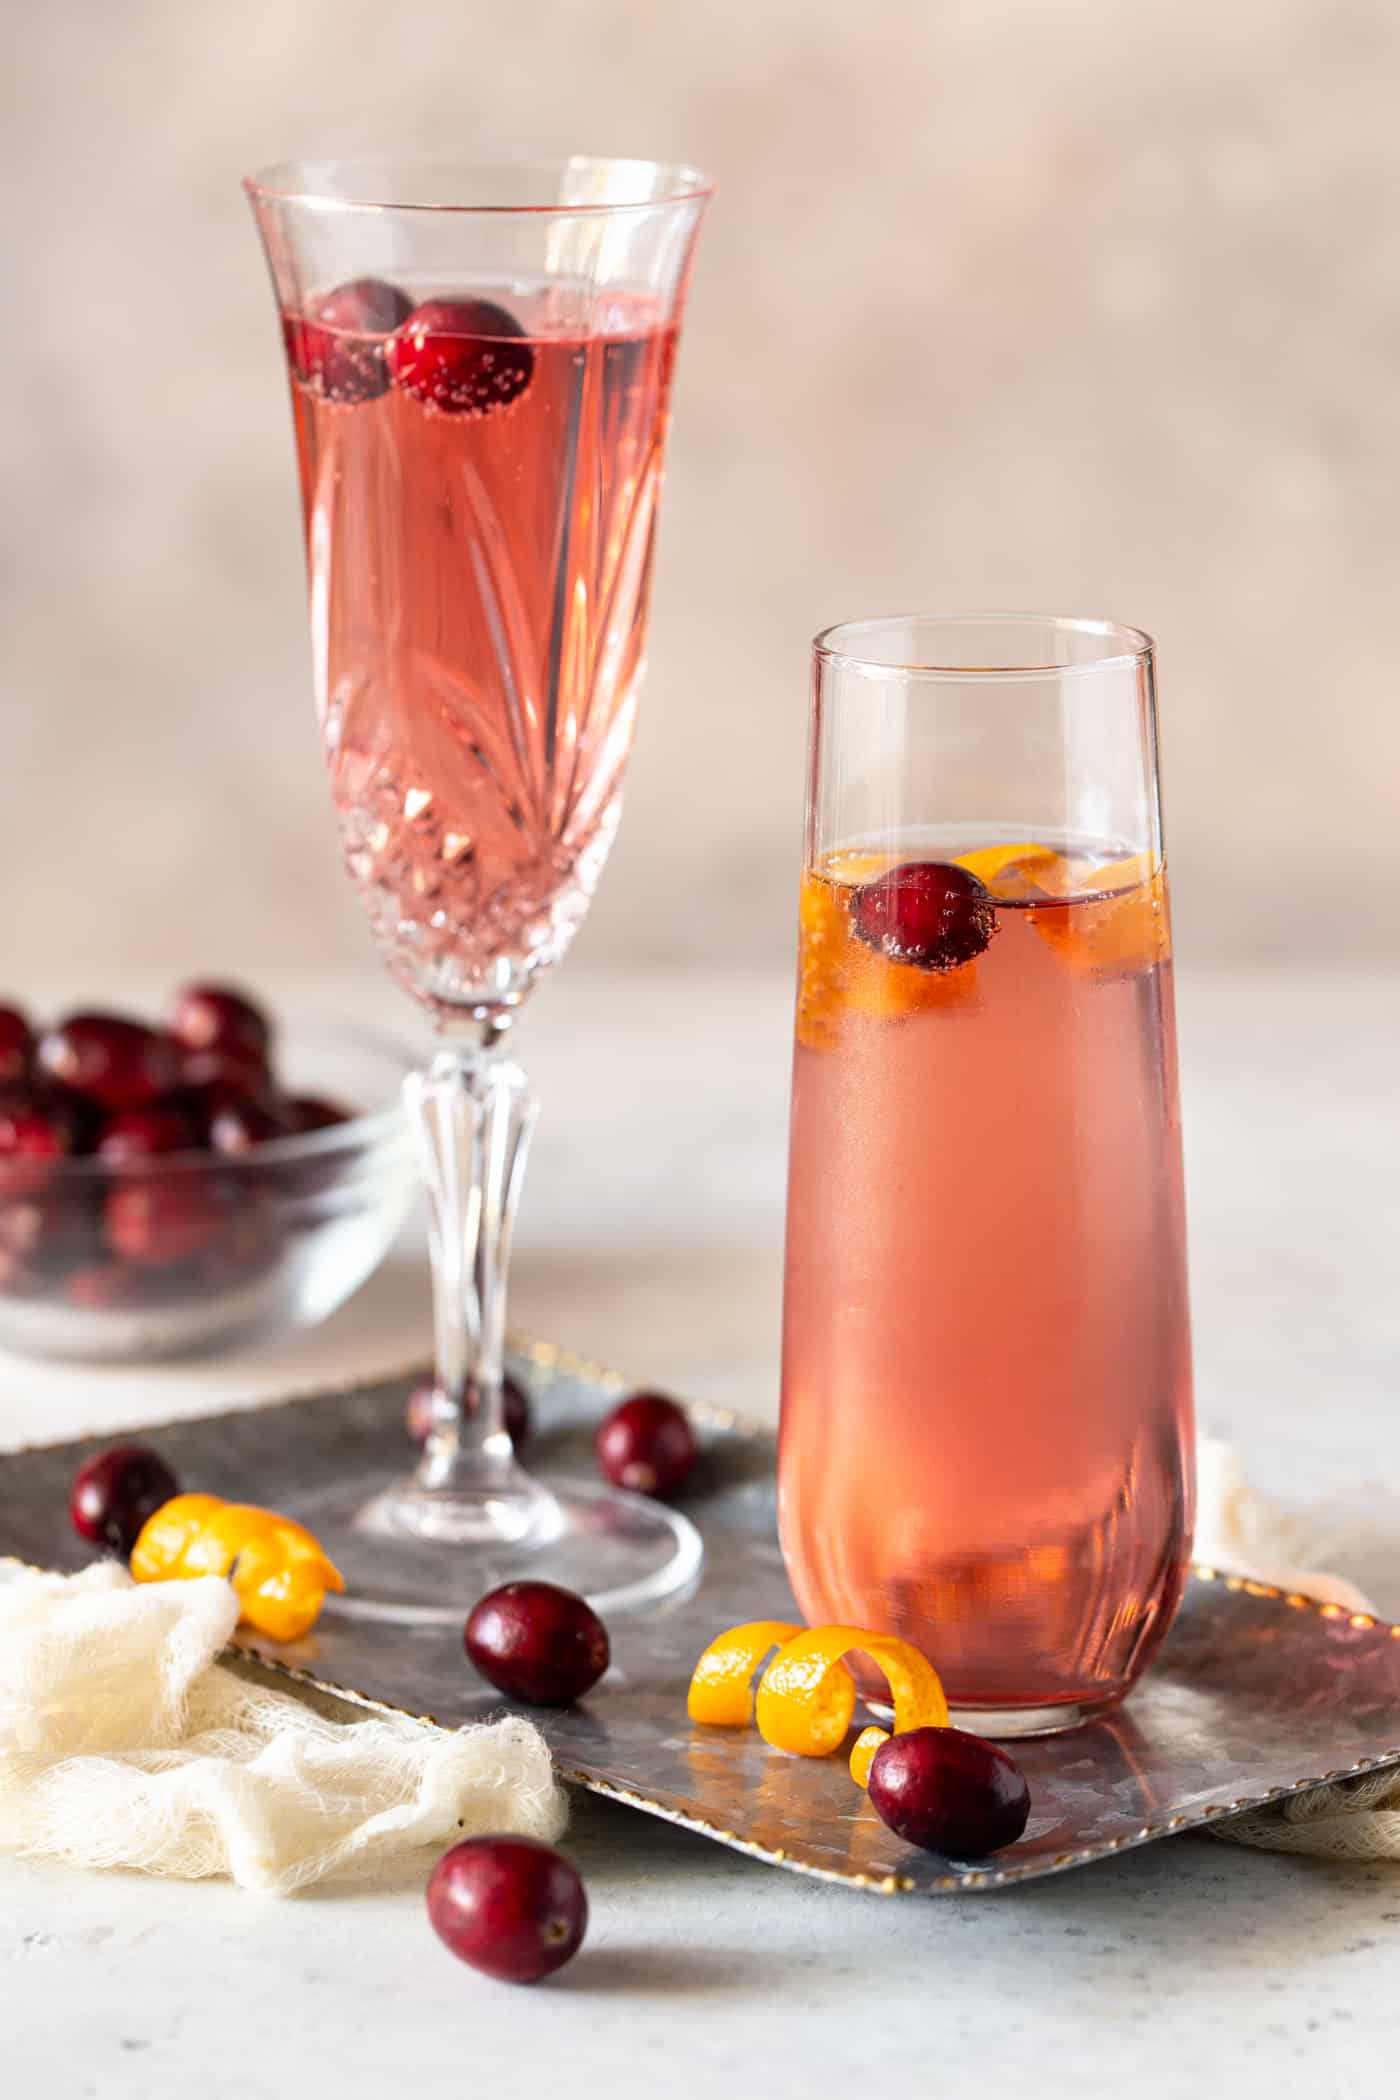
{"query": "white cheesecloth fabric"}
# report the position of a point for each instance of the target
(1242, 1531)
(124, 1742)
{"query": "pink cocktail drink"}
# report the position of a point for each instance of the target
(480, 360)
(480, 477)
(986, 1379)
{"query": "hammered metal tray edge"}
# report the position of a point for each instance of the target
(549, 1367)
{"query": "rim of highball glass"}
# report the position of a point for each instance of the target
(316, 182)
(844, 646)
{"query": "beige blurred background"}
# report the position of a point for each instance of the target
(1087, 307)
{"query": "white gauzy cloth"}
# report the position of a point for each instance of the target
(125, 1743)
(1239, 1529)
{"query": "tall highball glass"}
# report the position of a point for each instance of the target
(986, 1439)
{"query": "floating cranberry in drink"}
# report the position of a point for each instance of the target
(928, 912)
(511, 1907)
(462, 356)
(338, 350)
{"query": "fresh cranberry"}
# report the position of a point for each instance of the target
(239, 1071)
(509, 1906)
(115, 1491)
(334, 351)
(647, 1444)
(308, 1112)
(102, 1286)
(927, 912)
(418, 1415)
(249, 1243)
(142, 1133)
(366, 306)
(216, 1017)
(950, 1792)
(115, 1062)
(38, 1128)
(16, 1045)
(464, 356)
(43, 1234)
(237, 1124)
(538, 1643)
(156, 1222)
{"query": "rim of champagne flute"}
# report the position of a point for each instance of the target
(840, 647)
(304, 182)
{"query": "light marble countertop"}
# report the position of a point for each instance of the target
(650, 1238)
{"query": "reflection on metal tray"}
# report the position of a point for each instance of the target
(1256, 1694)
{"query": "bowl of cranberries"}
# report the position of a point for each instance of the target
(169, 1185)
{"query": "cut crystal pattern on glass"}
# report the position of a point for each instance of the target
(481, 397)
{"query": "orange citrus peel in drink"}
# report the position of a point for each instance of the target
(280, 1572)
(1121, 924)
(839, 976)
(1025, 870)
(807, 1696)
(1102, 916)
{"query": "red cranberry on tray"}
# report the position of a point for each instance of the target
(949, 1792)
(115, 1491)
(538, 1643)
(647, 1445)
(422, 1401)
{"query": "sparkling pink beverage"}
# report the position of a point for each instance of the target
(986, 1441)
(479, 478)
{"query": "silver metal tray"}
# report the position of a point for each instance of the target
(1256, 1694)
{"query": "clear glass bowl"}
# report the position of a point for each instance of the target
(273, 1240)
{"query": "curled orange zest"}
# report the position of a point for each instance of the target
(1012, 871)
(721, 1693)
(279, 1571)
(807, 1696)
(1120, 925)
(863, 1753)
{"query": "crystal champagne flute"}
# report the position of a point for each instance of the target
(480, 362)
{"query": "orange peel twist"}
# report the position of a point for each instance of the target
(721, 1687)
(807, 1696)
(281, 1573)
